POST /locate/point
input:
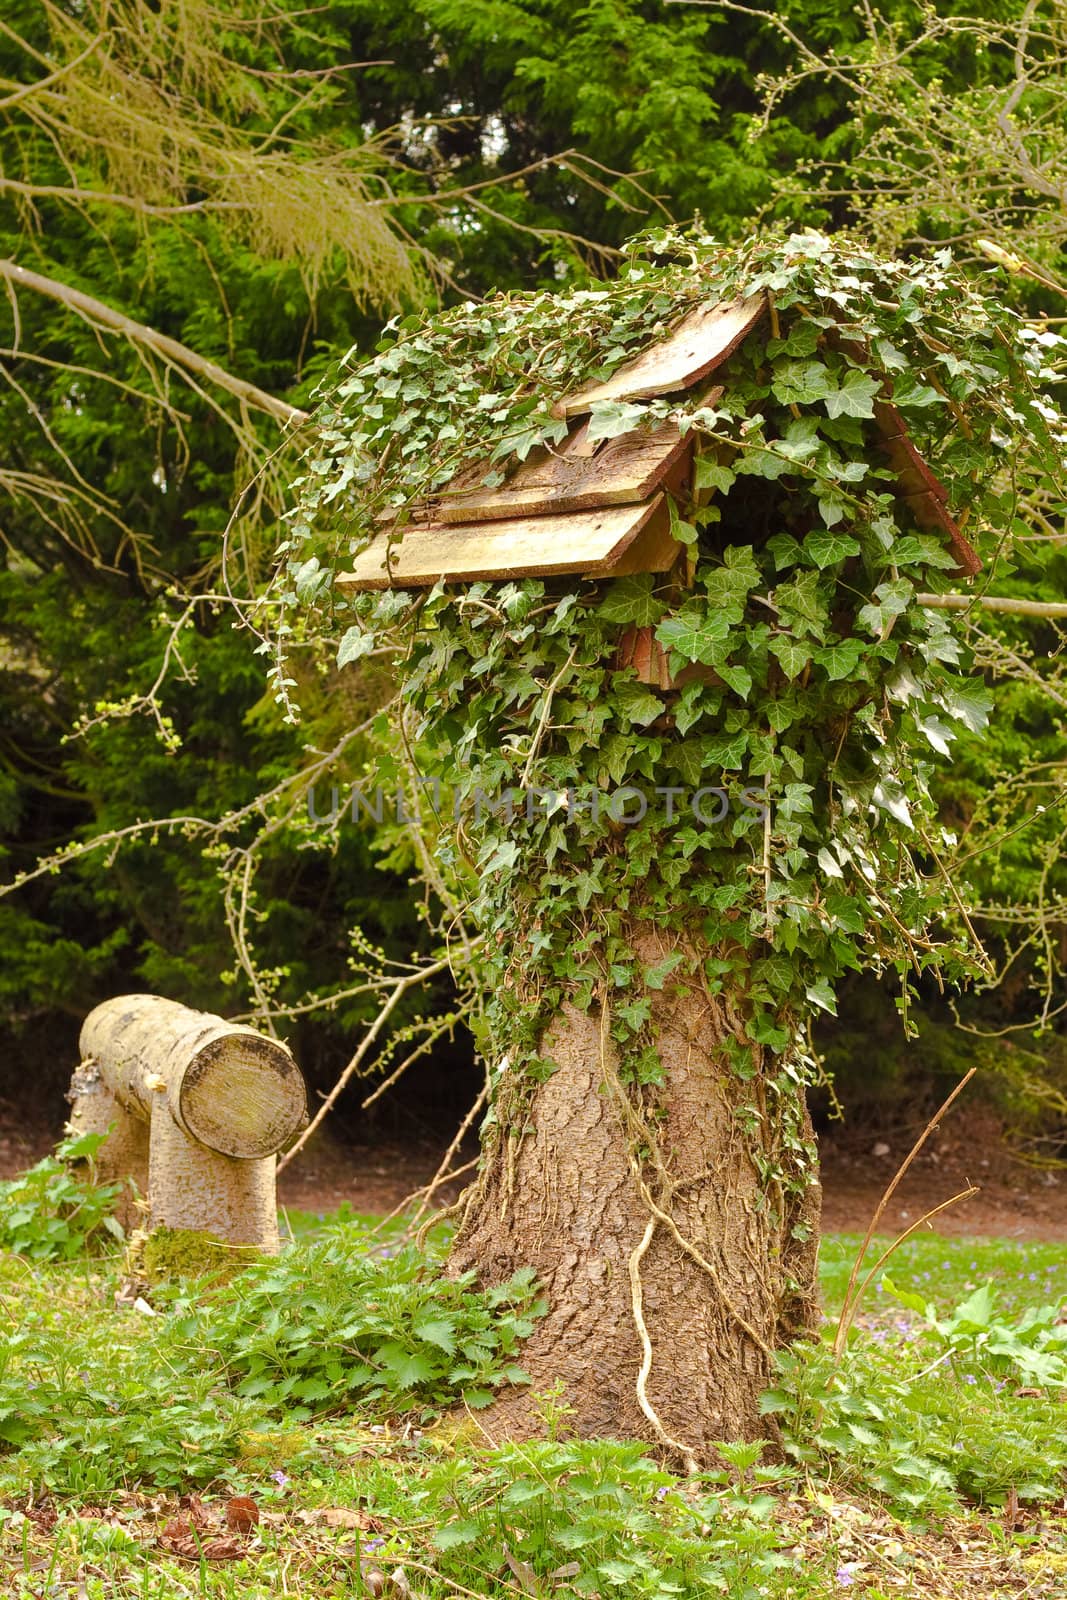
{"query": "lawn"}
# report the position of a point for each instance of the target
(296, 1432)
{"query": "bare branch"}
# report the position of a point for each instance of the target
(101, 315)
(992, 602)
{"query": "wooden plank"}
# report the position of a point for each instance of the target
(700, 343)
(576, 477)
(595, 544)
(921, 490)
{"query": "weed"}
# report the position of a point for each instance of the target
(329, 1324)
(51, 1213)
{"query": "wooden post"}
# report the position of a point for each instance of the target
(201, 1108)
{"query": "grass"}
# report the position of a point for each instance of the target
(128, 1436)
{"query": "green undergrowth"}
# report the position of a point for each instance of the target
(55, 1211)
(327, 1379)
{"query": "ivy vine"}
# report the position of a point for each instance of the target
(814, 691)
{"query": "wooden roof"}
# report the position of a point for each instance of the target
(599, 507)
(700, 343)
(603, 543)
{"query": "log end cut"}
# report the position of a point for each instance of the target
(243, 1095)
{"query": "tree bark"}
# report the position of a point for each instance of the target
(199, 1107)
(707, 1295)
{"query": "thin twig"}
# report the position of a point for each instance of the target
(848, 1309)
(400, 989)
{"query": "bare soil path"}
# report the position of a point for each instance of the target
(1016, 1201)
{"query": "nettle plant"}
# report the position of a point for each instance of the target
(651, 964)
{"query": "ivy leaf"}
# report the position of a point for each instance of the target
(889, 796)
(682, 530)
(727, 752)
(656, 976)
(801, 383)
(631, 600)
(634, 1015)
(502, 858)
(740, 561)
(711, 474)
(890, 357)
(609, 418)
(695, 635)
(801, 340)
(802, 599)
(687, 759)
(914, 550)
(762, 1029)
(776, 971)
(855, 398)
(829, 863)
(637, 703)
(840, 660)
(969, 703)
(890, 600)
(822, 995)
(793, 655)
(826, 549)
(908, 391)
(690, 707)
(938, 733)
(785, 550)
(356, 643)
(738, 678)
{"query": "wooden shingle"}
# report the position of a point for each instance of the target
(701, 342)
(612, 542)
(576, 476)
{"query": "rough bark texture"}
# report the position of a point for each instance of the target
(123, 1156)
(562, 1193)
(194, 1188)
(200, 1108)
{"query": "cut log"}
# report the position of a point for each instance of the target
(209, 1102)
(228, 1087)
(123, 1156)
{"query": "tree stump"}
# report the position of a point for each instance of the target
(199, 1109)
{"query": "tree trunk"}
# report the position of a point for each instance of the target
(199, 1107)
(657, 1329)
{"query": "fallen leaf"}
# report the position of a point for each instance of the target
(523, 1571)
(242, 1514)
(343, 1517)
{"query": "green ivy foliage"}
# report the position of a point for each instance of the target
(812, 686)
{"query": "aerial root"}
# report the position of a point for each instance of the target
(637, 1306)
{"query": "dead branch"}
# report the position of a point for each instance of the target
(139, 333)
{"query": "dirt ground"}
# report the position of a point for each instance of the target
(1015, 1201)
